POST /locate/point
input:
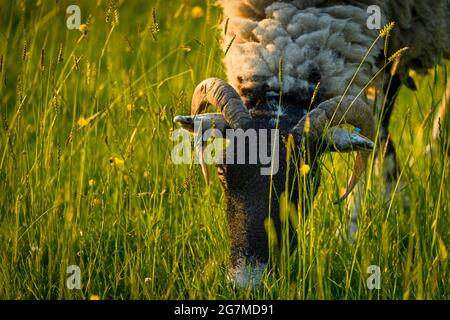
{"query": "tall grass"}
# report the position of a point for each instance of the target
(87, 179)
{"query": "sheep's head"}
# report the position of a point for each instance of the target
(248, 191)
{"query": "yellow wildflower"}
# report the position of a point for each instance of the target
(197, 12)
(83, 28)
(117, 163)
(82, 122)
(304, 169)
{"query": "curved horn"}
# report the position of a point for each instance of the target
(336, 111)
(217, 92)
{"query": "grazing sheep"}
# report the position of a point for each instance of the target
(304, 43)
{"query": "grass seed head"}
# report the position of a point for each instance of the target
(60, 54)
(387, 29)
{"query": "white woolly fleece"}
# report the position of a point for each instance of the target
(322, 40)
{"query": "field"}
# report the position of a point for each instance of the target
(87, 178)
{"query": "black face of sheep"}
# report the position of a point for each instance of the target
(248, 191)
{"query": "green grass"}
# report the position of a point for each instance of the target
(145, 228)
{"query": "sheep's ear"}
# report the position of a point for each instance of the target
(342, 140)
(202, 122)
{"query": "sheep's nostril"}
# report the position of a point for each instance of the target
(183, 120)
(362, 142)
(186, 122)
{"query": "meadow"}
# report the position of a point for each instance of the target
(86, 176)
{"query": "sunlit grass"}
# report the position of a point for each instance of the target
(87, 179)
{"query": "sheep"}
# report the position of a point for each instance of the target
(280, 51)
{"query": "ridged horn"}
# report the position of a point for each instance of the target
(220, 94)
(334, 112)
